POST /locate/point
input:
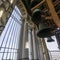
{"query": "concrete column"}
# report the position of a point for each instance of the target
(19, 54)
(37, 47)
(30, 44)
(45, 50)
(34, 45)
(26, 32)
(24, 41)
(40, 50)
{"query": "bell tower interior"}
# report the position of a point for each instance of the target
(29, 29)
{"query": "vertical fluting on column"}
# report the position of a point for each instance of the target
(24, 41)
(34, 44)
(45, 50)
(39, 48)
(19, 55)
(30, 44)
(26, 32)
(41, 55)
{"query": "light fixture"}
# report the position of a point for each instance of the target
(26, 46)
(1, 12)
(11, 1)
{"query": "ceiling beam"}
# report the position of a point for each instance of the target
(38, 5)
(53, 12)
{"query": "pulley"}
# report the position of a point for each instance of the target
(49, 39)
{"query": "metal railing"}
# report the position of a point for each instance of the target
(54, 55)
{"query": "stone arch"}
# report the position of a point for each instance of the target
(6, 8)
(21, 7)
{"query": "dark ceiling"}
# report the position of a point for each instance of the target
(30, 4)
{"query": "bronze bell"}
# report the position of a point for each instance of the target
(49, 39)
(44, 31)
(37, 16)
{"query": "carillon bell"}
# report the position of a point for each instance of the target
(44, 31)
(49, 39)
(37, 16)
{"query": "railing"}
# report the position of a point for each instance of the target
(54, 55)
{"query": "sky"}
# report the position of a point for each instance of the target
(10, 37)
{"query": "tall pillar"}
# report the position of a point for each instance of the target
(25, 37)
(30, 44)
(19, 56)
(34, 45)
(26, 32)
(45, 50)
(39, 47)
